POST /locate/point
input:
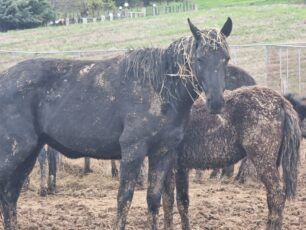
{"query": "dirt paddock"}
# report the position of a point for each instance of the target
(89, 202)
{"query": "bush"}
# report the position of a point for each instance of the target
(22, 14)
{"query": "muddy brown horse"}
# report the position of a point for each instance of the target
(247, 169)
(235, 77)
(258, 123)
(123, 108)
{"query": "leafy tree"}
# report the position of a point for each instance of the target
(22, 14)
(100, 5)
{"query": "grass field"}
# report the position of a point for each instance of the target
(226, 3)
(252, 24)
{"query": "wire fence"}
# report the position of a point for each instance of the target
(281, 67)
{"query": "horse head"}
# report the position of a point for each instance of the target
(209, 56)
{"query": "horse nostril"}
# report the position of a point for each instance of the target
(216, 106)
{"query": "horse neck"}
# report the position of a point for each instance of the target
(176, 89)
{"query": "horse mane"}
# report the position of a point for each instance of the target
(161, 67)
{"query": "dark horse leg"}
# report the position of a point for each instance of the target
(228, 171)
(265, 154)
(246, 171)
(87, 168)
(132, 158)
(10, 191)
(52, 163)
(198, 178)
(182, 195)
(214, 173)
(141, 177)
(115, 172)
(42, 160)
(159, 166)
(168, 199)
(275, 196)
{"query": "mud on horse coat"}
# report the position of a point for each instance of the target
(258, 123)
(235, 77)
(122, 108)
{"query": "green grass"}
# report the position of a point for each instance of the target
(207, 4)
(257, 23)
(252, 24)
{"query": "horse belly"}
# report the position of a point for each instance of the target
(213, 150)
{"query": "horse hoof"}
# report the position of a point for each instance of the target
(43, 192)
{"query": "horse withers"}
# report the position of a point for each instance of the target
(123, 108)
(257, 123)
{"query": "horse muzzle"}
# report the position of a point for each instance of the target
(215, 106)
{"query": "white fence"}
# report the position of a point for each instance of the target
(278, 66)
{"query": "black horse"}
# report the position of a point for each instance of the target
(257, 123)
(123, 108)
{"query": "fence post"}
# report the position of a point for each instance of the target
(266, 63)
(144, 11)
(235, 55)
(84, 20)
(280, 70)
(111, 16)
(299, 68)
(287, 72)
(67, 21)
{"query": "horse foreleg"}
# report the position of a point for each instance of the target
(182, 195)
(10, 191)
(159, 166)
(168, 199)
(132, 158)
(115, 171)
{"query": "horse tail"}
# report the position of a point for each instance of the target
(289, 153)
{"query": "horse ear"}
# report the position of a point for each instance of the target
(227, 27)
(195, 31)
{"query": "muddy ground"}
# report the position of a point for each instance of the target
(89, 202)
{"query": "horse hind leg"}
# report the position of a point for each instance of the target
(42, 160)
(115, 172)
(52, 163)
(87, 168)
(199, 176)
(268, 173)
(275, 199)
(228, 171)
